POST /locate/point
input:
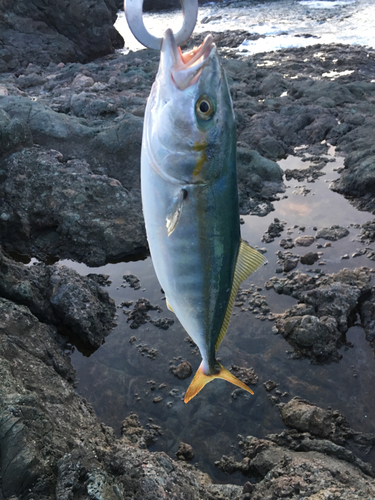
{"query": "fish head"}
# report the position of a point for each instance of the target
(189, 122)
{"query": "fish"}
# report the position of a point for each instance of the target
(190, 199)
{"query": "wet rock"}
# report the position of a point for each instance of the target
(315, 327)
(358, 178)
(306, 417)
(185, 452)
(162, 323)
(223, 39)
(309, 174)
(368, 231)
(106, 142)
(309, 258)
(246, 375)
(136, 434)
(14, 134)
(183, 370)
(289, 265)
(59, 295)
(66, 211)
(139, 315)
(150, 352)
(304, 241)
(81, 305)
(286, 243)
(310, 460)
(270, 385)
(272, 148)
(62, 32)
(332, 233)
(367, 314)
(310, 420)
(274, 231)
(259, 179)
(133, 281)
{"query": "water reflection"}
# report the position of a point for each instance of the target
(120, 377)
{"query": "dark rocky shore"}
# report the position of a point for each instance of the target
(71, 115)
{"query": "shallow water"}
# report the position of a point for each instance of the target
(283, 23)
(117, 379)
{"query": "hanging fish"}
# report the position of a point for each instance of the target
(190, 199)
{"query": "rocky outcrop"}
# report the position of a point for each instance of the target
(68, 30)
(50, 206)
(59, 296)
(309, 460)
(316, 326)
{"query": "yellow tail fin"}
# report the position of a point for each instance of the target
(201, 379)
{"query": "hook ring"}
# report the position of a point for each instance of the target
(134, 17)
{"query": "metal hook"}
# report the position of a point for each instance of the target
(134, 16)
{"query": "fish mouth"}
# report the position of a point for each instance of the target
(187, 67)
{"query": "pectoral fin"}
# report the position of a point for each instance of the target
(248, 261)
(201, 379)
(174, 216)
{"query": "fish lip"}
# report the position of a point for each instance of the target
(186, 68)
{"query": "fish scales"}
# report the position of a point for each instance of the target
(190, 198)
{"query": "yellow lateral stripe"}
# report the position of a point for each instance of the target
(200, 146)
(248, 261)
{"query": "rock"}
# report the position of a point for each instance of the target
(357, 181)
(114, 145)
(271, 148)
(284, 464)
(289, 265)
(315, 327)
(274, 231)
(246, 375)
(304, 471)
(309, 258)
(65, 31)
(59, 296)
(183, 370)
(270, 385)
(258, 178)
(81, 306)
(133, 281)
(14, 134)
(368, 231)
(185, 452)
(139, 315)
(332, 233)
(66, 211)
(304, 241)
(367, 315)
(306, 417)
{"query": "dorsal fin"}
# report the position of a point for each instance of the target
(248, 261)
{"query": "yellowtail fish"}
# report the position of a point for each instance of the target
(190, 199)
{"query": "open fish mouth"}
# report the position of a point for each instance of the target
(186, 67)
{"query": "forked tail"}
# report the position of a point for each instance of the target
(201, 379)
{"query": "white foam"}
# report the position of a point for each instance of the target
(325, 4)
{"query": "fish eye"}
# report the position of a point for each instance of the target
(204, 107)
